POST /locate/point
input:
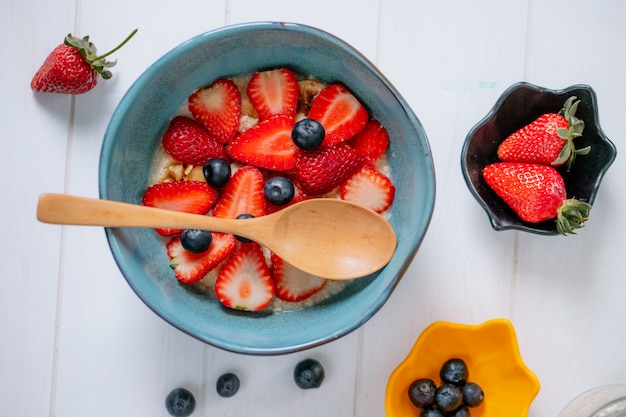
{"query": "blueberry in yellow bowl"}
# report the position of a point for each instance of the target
(536, 161)
(243, 121)
(458, 368)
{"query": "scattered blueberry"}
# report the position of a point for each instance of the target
(216, 172)
(473, 394)
(422, 392)
(454, 371)
(461, 411)
(196, 241)
(180, 403)
(308, 134)
(244, 216)
(227, 385)
(448, 397)
(431, 412)
(279, 190)
(308, 373)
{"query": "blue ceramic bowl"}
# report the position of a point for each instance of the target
(519, 105)
(141, 118)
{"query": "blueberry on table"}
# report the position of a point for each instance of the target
(454, 371)
(431, 412)
(180, 403)
(448, 397)
(473, 394)
(422, 392)
(244, 216)
(216, 172)
(196, 241)
(227, 385)
(308, 373)
(461, 411)
(279, 190)
(308, 134)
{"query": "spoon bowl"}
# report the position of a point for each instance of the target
(330, 238)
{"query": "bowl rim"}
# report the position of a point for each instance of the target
(407, 250)
(494, 219)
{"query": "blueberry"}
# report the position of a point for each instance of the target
(308, 134)
(227, 385)
(308, 373)
(180, 403)
(279, 190)
(461, 411)
(216, 172)
(448, 397)
(196, 241)
(454, 371)
(431, 412)
(422, 392)
(244, 216)
(473, 394)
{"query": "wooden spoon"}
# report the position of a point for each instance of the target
(330, 238)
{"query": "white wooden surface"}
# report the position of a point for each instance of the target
(75, 340)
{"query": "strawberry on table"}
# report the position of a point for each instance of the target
(244, 282)
(218, 108)
(372, 141)
(242, 195)
(321, 170)
(536, 193)
(190, 143)
(369, 188)
(548, 140)
(293, 284)
(340, 112)
(191, 267)
(267, 144)
(73, 67)
(274, 92)
(187, 196)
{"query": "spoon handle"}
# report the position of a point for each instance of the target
(83, 211)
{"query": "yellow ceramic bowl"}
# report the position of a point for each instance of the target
(492, 355)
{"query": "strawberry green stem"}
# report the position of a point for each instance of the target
(571, 215)
(574, 130)
(118, 46)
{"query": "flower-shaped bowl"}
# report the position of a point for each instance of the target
(133, 136)
(519, 105)
(492, 356)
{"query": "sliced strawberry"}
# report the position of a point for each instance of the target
(218, 108)
(321, 170)
(188, 196)
(293, 284)
(369, 188)
(341, 114)
(372, 141)
(245, 281)
(242, 195)
(188, 142)
(190, 267)
(267, 144)
(274, 92)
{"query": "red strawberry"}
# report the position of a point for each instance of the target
(267, 144)
(369, 188)
(190, 143)
(293, 284)
(274, 92)
(321, 170)
(372, 141)
(536, 193)
(187, 196)
(341, 114)
(244, 281)
(242, 195)
(549, 140)
(73, 67)
(218, 108)
(190, 267)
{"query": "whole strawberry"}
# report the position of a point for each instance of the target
(536, 193)
(73, 67)
(548, 140)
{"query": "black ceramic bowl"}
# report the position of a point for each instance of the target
(519, 105)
